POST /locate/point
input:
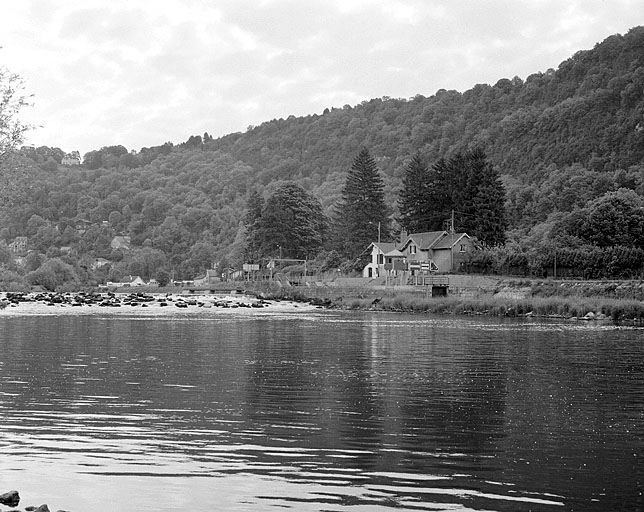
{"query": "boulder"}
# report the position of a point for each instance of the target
(11, 498)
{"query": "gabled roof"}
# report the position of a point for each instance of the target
(395, 253)
(384, 247)
(449, 240)
(423, 241)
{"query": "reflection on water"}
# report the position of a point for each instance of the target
(325, 411)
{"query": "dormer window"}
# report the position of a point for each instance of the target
(412, 249)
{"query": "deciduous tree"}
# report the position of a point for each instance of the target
(292, 223)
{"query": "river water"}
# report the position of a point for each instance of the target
(320, 411)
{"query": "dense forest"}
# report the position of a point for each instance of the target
(568, 145)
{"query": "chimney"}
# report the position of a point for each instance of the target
(403, 236)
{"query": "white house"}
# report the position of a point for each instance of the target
(385, 257)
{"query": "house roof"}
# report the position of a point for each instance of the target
(384, 247)
(448, 241)
(424, 240)
(395, 253)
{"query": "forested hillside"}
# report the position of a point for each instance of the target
(560, 139)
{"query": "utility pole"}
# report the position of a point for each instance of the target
(451, 247)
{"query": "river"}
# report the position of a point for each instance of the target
(320, 411)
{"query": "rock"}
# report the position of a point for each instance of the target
(11, 498)
(41, 508)
(589, 316)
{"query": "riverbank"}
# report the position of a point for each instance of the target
(620, 302)
(616, 301)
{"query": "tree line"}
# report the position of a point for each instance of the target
(291, 222)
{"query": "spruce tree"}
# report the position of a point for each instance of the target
(415, 201)
(439, 196)
(361, 215)
(486, 211)
(477, 196)
(466, 184)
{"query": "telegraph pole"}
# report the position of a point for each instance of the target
(451, 248)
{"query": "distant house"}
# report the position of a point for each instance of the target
(135, 281)
(438, 251)
(419, 253)
(72, 158)
(19, 245)
(128, 281)
(99, 263)
(66, 249)
(82, 225)
(121, 242)
(211, 277)
(383, 256)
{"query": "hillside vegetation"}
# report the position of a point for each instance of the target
(561, 140)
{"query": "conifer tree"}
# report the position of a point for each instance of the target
(477, 197)
(486, 212)
(440, 196)
(415, 201)
(361, 215)
(466, 184)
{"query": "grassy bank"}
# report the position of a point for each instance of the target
(560, 307)
(537, 301)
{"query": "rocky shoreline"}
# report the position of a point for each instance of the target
(12, 499)
(113, 300)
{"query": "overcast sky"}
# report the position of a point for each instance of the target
(142, 72)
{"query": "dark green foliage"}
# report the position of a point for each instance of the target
(416, 202)
(581, 262)
(254, 207)
(52, 274)
(485, 206)
(466, 185)
(291, 225)
(616, 218)
(163, 277)
(361, 216)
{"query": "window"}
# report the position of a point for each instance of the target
(412, 249)
(462, 247)
(381, 259)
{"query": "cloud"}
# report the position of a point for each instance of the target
(139, 74)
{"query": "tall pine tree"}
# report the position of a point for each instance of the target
(415, 201)
(485, 208)
(361, 215)
(466, 184)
